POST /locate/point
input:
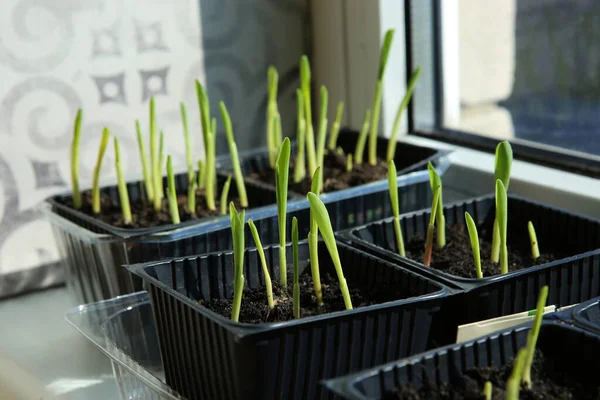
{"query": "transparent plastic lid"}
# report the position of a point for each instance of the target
(123, 329)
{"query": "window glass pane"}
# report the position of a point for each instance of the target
(530, 70)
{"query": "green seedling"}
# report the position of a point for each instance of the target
(321, 215)
(502, 219)
(148, 183)
(385, 50)
(349, 163)
(502, 167)
(277, 129)
(155, 165)
(359, 150)
(171, 194)
(300, 164)
(487, 390)
(235, 160)
(532, 338)
(237, 232)
(188, 143)
(310, 138)
(513, 384)
(335, 128)
(322, 132)
(393, 189)
(263, 261)
(224, 194)
(191, 197)
(440, 219)
(474, 238)
(391, 150)
(122, 185)
(296, 292)
(313, 240)
(201, 175)
(75, 160)
(282, 164)
(96, 178)
(208, 135)
(161, 159)
(272, 109)
(535, 250)
(430, 228)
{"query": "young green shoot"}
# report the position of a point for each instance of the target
(535, 250)
(502, 167)
(359, 150)
(349, 163)
(201, 175)
(171, 194)
(313, 240)
(502, 219)
(224, 194)
(148, 183)
(385, 50)
(237, 232)
(513, 384)
(277, 129)
(235, 160)
(75, 160)
(281, 185)
(430, 228)
(155, 165)
(96, 178)
(208, 136)
(188, 143)
(393, 189)
(300, 164)
(532, 337)
(391, 150)
(474, 238)
(309, 134)
(296, 300)
(321, 215)
(440, 219)
(263, 261)
(487, 390)
(272, 83)
(335, 128)
(191, 196)
(340, 151)
(161, 159)
(322, 132)
(122, 185)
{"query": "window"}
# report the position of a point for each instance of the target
(521, 70)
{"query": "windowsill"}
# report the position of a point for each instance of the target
(475, 168)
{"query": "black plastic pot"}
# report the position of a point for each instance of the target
(585, 315)
(563, 345)
(571, 280)
(409, 157)
(207, 356)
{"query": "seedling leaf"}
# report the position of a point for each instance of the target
(237, 231)
(75, 160)
(533, 336)
(502, 168)
(474, 238)
(171, 194)
(188, 144)
(306, 89)
(235, 161)
(502, 218)
(300, 164)
(148, 183)
(436, 181)
(263, 261)
(430, 228)
(393, 190)
(282, 164)
(96, 178)
(313, 240)
(535, 251)
(296, 299)
(322, 133)
(362, 139)
(335, 129)
(224, 194)
(122, 185)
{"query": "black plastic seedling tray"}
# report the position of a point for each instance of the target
(571, 280)
(563, 345)
(409, 157)
(207, 356)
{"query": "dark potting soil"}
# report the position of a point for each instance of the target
(335, 176)
(255, 310)
(550, 380)
(456, 257)
(143, 213)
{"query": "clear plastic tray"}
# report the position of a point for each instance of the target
(123, 329)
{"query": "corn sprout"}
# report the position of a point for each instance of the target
(440, 220)
(487, 391)
(430, 228)
(322, 217)
(359, 150)
(191, 197)
(208, 135)
(393, 189)
(272, 83)
(148, 182)
(313, 240)
(237, 232)
(300, 164)
(263, 261)
(502, 219)
(171, 193)
(75, 160)
(503, 165)
(235, 161)
(533, 336)
(122, 185)
(474, 238)
(281, 182)
(96, 178)
(322, 132)
(188, 144)
(335, 128)
(349, 163)
(154, 161)
(535, 250)
(224, 194)
(310, 139)
(296, 292)
(513, 384)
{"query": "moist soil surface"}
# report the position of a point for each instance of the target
(255, 310)
(143, 213)
(456, 257)
(335, 176)
(550, 380)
